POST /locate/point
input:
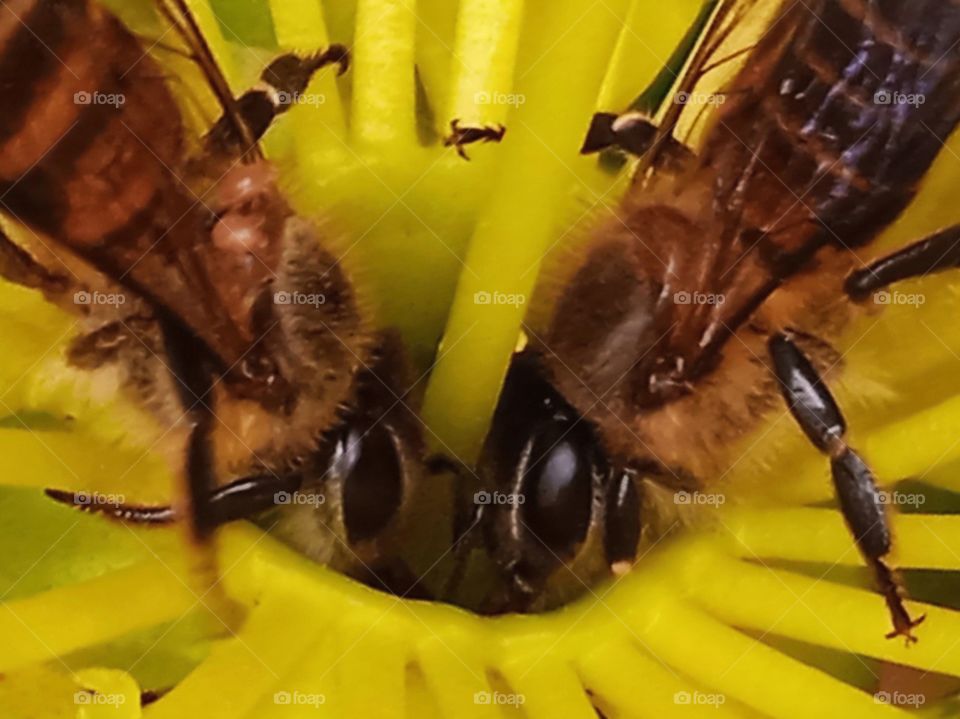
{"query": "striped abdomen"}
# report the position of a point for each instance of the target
(89, 127)
(839, 113)
(820, 142)
(92, 153)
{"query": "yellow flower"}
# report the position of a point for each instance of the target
(765, 611)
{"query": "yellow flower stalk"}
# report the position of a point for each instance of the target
(764, 609)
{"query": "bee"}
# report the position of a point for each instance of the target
(232, 321)
(715, 293)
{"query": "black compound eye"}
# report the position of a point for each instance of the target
(372, 476)
(558, 487)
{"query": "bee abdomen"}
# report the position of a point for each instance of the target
(846, 107)
(81, 104)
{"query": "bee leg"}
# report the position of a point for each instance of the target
(96, 503)
(19, 267)
(286, 78)
(241, 499)
(248, 497)
(940, 251)
(631, 132)
(105, 344)
(817, 413)
(291, 73)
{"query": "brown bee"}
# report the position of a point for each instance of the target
(718, 288)
(231, 320)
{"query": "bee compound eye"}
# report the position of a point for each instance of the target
(621, 531)
(370, 467)
(558, 486)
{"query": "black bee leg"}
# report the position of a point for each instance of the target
(248, 497)
(96, 503)
(631, 132)
(19, 267)
(291, 73)
(193, 375)
(283, 83)
(938, 252)
(817, 413)
(240, 499)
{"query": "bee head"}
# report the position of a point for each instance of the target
(361, 496)
(555, 513)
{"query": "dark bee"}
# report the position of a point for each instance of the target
(635, 389)
(239, 329)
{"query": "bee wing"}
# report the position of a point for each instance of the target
(823, 141)
(185, 23)
(805, 160)
(727, 16)
(93, 154)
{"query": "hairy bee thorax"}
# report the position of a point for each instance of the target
(312, 326)
(816, 148)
